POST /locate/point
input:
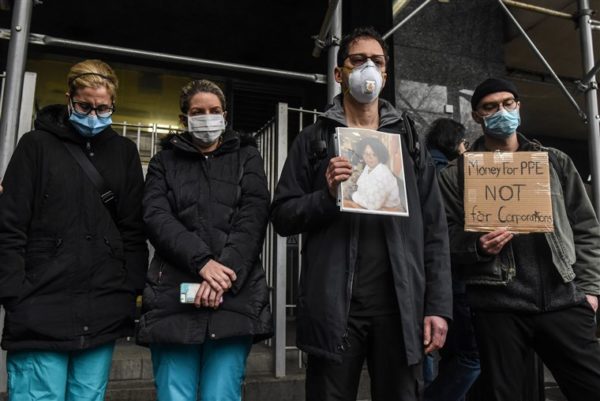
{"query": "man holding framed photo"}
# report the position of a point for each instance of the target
(373, 287)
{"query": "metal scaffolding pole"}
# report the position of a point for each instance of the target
(333, 88)
(538, 9)
(320, 42)
(543, 60)
(591, 98)
(405, 20)
(591, 75)
(587, 84)
(13, 86)
(38, 39)
(543, 10)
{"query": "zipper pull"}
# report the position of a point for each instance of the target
(88, 147)
(160, 272)
(345, 345)
(57, 244)
(347, 340)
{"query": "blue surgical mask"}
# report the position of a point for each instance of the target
(365, 82)
(502, 124)
(90, 125)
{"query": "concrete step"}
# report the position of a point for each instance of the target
(132, 362)
(255, 388)
(131, 390)
(290, 388)
(131, 376)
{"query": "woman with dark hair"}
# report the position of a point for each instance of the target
(377, 187)
(205, 208)
(379, 148)
(446, 141)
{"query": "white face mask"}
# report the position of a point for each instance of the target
(206, 128)
(365, 82)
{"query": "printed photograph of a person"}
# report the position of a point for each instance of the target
(377, 182)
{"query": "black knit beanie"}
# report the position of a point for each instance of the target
(492, 85)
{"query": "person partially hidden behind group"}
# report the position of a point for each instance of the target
(459, 366)
(446, 140)
(206, 209)
(72, 261)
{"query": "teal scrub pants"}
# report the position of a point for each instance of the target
(59, 376)
(213, 371)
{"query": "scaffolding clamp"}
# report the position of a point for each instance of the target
(584, 12)
(319, 45)
(584, 87)
(331, 40)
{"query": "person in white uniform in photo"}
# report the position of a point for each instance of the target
(377, 187)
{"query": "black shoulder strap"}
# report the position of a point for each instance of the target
(412, 139)
(106, 195)
(318, 144)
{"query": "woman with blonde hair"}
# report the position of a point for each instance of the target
(72, 245)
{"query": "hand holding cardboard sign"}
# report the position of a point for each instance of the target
(492, 243)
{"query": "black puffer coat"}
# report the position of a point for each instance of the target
(198, 208)
(68, 273)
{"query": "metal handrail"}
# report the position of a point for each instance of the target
(272, 139)
(140, 133)
(39, 39)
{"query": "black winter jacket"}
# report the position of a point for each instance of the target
(418, 244)
(68, 273)
(198, 208)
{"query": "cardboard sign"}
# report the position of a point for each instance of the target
(507, 190)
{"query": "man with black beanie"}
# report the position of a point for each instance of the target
(530, 291)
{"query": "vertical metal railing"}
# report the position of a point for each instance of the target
(3, 378)
(282, 256)
(147, 137)
(2, 79)
(272, 141)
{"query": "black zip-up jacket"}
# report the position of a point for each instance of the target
(417, 245)
(198, 208)
(69, 273)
